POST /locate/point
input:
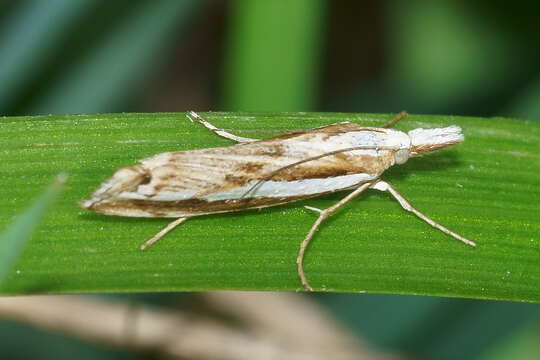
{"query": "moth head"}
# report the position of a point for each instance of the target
(428, 140)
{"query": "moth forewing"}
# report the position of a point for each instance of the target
(206, 181)
(267, 172)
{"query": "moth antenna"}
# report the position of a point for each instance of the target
(393, 121)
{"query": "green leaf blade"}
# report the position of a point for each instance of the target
(484, 189)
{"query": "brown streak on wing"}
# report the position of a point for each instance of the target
(250, 167)
(190, 207)
(337, 165)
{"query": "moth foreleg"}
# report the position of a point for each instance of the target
(384, 186)
(192, 115)
(396, 118)
(163, 232)
(323, 214)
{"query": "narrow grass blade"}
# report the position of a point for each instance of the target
(13, 239)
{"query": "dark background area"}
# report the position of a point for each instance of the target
(448, 57)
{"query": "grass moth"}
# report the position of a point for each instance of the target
(261, 173)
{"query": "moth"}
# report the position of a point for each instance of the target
(256, 174)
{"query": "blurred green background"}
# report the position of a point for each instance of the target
(441, 57)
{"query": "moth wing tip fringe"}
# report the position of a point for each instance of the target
(87, 204)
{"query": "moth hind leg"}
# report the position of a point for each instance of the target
(163, 232)
(323, 215)
(192, 115)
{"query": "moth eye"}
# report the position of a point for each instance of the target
(402, 155)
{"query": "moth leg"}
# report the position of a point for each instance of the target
(163, 232)
(398, 117)
(323, 214)
(384, 186)
(192, 115)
